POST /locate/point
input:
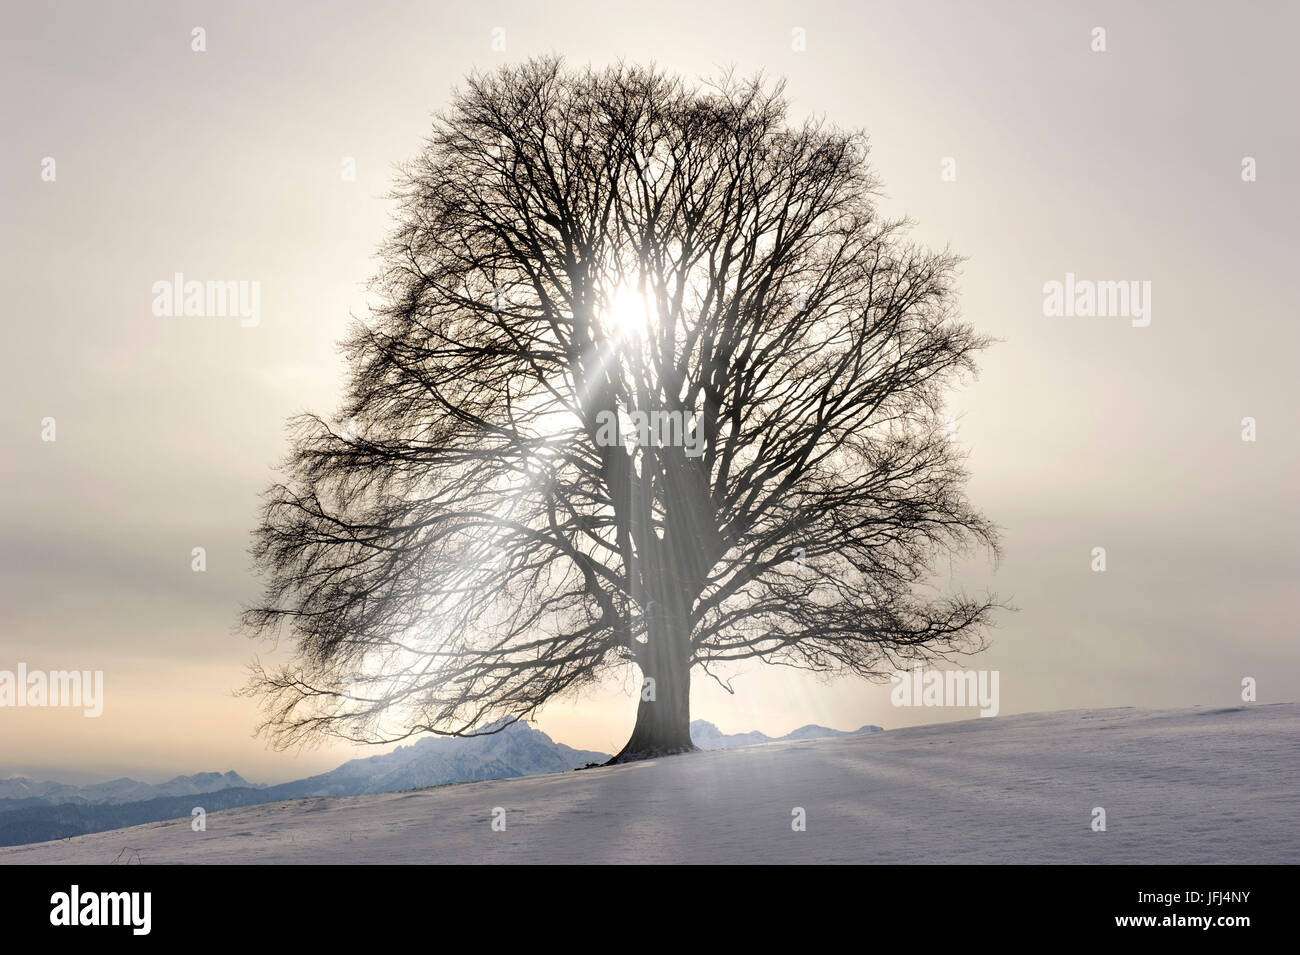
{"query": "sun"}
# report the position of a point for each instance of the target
(627, 315)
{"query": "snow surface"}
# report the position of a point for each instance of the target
(1179, 786)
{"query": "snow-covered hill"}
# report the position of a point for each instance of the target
(1178, 786)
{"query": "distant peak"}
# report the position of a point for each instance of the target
(707, 736)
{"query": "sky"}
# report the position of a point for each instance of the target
(997, 128)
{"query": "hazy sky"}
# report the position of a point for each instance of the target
(1083, 431)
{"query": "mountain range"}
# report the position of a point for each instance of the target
(707, 736)
(20, 788)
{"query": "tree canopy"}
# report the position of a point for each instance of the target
(465, 541)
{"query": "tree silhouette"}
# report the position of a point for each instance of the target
(650, 382)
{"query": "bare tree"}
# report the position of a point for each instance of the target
(651, 382)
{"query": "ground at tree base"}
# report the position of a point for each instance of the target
(1200, 785)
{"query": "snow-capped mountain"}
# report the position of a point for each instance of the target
(517, 750)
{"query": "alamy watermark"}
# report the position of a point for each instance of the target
(71, 688)
(918, 687)
(1084, 298)
(194, 299)
(75, 907)
(646, 429)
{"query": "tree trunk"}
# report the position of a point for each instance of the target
(663, 716)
